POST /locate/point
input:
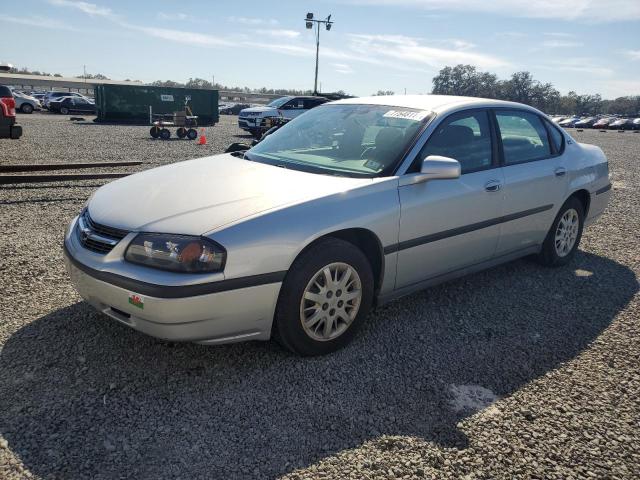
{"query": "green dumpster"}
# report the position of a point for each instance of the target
(131, 103)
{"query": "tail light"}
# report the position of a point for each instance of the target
(8, 105)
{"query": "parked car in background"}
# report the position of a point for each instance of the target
(621, 124)
(38, 96)
(353, 204)
(8, 127)
(603, 122)
(68, 105)
(49, 96)
(636, 123)
(254, 119)
(569, 122)
(558, 119)
(26, 103)
(232, 108)
(585, 122)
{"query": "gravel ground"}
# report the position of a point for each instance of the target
(517, 372)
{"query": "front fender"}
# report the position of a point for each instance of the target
(271, 241)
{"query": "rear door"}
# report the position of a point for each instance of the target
(446, 225)
(535, 176)
(293, 108)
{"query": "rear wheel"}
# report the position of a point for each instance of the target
(181, 132)
(155, 131)
(165, 134)
(26, 108)
(192, 134)
(64, 111)
(564, 236)
(324, 299)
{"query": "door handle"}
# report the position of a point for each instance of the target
(493, 186)
(560, 171)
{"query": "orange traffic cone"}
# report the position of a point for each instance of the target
(203, 138)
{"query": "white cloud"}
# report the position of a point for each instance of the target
(180, 36)
(619, 88)
(85, 7)
(342, 68)
(559, 34)
(175, 16)
(462, 44)
(632, 54)
(561, 44)
(594, 11)
(40, 22)
(253, 21)
(510, 35)
(580, 65)
(416, 53)
(279, 33)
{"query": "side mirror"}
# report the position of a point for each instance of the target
(434, 167)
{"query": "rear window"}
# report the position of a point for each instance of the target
(5, 92)
(524, 137)
(556, 137)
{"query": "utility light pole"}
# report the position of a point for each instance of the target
(309, 22)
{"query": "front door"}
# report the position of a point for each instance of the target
(446, 225)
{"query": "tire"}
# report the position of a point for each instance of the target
(165, 134)
(155, 132)
(341, 317)
(26, 108)
(64, 111)
(237, 147)
(192, 134)
(557, 252)
(181, 132)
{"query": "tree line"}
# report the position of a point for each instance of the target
(521, 87)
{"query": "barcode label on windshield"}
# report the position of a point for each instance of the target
(408, 115)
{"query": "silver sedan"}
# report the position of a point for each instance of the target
(349, 206)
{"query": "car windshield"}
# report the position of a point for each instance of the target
(349, 140)
(279, 102)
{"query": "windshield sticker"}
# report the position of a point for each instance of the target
(373, 165)
(408, 115)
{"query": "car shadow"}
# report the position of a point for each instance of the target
(86, 396)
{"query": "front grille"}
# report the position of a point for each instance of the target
(104, 230)
(98, 238)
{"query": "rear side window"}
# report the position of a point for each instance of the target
(524, 137)
(556, 137)
(312, 103)
(464, 136)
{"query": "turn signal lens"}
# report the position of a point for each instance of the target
(176, 253)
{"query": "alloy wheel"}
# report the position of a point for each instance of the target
(567, 232)
(330, 301)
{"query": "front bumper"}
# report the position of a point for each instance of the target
(232, 315)
(248, 123)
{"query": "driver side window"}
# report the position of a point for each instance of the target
(465, 137)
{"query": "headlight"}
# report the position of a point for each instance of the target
(176, 253)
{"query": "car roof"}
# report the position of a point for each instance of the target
(435, 103)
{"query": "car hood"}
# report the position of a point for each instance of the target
(258, 110)
(197, 196)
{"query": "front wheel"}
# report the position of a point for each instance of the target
(324, 299)
(564, 236)
(64, 111)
